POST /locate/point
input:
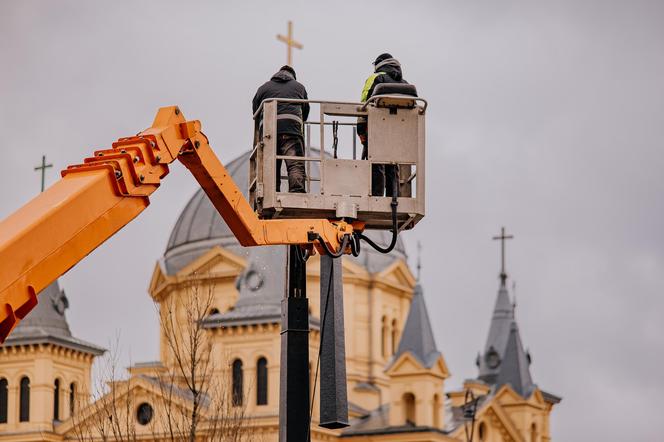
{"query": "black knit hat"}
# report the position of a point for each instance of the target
(289, 69)
(382, 57)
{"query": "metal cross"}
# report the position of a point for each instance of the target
(290, 42)
(502, 237)
(43, 168)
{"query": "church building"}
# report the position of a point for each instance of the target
(396, 373)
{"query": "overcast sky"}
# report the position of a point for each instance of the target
(545, 117)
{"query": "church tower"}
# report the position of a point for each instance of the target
(45, 372)
(507, 404)
(417, 372)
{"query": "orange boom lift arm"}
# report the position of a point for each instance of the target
(93, 200)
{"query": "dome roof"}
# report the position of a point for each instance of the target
(200, 227)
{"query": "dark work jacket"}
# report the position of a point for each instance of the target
(283, 85)
(385, 74)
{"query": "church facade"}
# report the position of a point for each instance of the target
(396, 374)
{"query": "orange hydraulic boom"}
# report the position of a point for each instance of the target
(93, 200)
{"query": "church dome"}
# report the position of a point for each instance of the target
(200, 227)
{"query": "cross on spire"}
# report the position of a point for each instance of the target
(502, 237)
(43, 168)
(290, 43)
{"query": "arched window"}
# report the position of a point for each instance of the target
(56, 400)
(24, 400)
(482, 432)
(395, 336)
(261, 382)
(533, 432)
(3, 401)
(409, 408)
(72, 398)
(436, 410)
(383, 337)
(237, 382)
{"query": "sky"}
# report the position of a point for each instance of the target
(545, 117)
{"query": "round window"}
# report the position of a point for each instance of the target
(144, 413)
(253, 280)
(492, 358)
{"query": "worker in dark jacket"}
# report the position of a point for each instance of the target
(290, 124)
(387, 69)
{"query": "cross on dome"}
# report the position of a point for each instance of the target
(290, 43)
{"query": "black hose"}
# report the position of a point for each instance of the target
(303, 255)
(338, 254)
(395, 225)
(355, 244)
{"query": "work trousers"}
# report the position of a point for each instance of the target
(384, 177)
(291, 145)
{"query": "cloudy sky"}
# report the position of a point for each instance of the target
(545, 117)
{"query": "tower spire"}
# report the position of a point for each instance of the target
(504, 360)
(502, 237)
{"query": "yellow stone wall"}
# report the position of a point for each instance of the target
(42, 364)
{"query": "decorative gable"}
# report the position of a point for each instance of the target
(216, 261)
(122, 406)
(407, 364)
(397, 274)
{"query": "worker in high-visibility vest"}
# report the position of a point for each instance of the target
(387, 69)
(290, 124)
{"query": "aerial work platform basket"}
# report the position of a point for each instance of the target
(338, 181)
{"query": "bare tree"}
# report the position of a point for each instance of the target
(107, 414)
(194, 401)
(195, 375)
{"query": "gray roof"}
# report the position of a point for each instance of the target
(504, 360)
(377, 423)
(200, 227)
(417, 337)
(514, 370)
(47, 323)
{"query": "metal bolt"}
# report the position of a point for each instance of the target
(197, 144)
(177, 111)
(152, 144)
(157, 158)
(118, 174)
(100, 154)
(142, 178)
(123, 151)
(136, 159)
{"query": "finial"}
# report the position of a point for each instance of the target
(513, 298)
(502, 237)
(419, 260)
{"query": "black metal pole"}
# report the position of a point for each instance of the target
(333, 394)
(294, 379)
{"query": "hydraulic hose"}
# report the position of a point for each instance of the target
(340, 252)
(355, 245)
(395, 226)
